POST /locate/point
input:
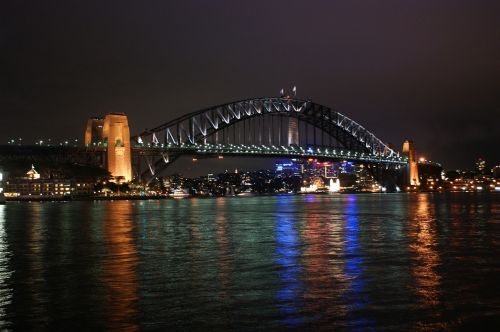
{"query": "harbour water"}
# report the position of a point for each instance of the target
(313, 262)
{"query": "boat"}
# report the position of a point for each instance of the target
(246, 192)
(180, 193)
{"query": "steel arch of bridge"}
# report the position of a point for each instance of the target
(198, 132)
(199, 126)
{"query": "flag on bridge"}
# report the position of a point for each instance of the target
(282, 92)
(294, 90)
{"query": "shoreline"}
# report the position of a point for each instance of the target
(161, 197)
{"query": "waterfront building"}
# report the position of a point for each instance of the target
(47, 187)
(334, 186)
(1, 186)
(496, 172)
(40, 187)
(480, 166)
(32, 174)
(364, 179)
(33, 185)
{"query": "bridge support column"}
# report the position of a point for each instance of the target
(117, 134)
(412, 168)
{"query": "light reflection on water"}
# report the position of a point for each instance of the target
(120, 268)
(289, 295)
(356, 262)
(224, 260)
(356, 297)
(5, 273)
(423, 232)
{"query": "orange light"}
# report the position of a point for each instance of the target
(221, 157)
(194, 159)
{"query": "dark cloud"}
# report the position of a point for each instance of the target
(425, 70)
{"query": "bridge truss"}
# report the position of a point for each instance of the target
(276, 127)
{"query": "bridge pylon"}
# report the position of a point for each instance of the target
(409, 151)
(112, 132)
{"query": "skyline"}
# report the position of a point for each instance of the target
(426, 72)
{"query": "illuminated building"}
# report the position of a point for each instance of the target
(315, 185)
(334, 186)
(2, 197)
(40, 187)
(496, 172)
(409, 152)
(32, 174)
(364, 179)
(346, 167)
(480, 166)
(290, 167)
(47, 187)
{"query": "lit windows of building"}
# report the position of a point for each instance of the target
(32, 174)
(480, 166)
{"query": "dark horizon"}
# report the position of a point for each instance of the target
(425, 71)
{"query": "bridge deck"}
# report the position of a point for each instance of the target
(211, 150)
(268, 151)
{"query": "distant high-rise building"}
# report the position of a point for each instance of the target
(409, 152)
(293, 131)
(116, 133)
(480, 166)
(496, 172)
(289, 166)
(93, 133)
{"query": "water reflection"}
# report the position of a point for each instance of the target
(36, 242)
(318, 274)
(224, 260)
(120, 265)
(289, 295)
(5, 273)
(389, 262)
(356, 296)
(339, 285)
(194, 243)
(424, 246)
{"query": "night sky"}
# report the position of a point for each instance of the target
(422, 70)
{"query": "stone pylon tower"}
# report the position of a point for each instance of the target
(93, 132)
(409, 152)
(116, 133)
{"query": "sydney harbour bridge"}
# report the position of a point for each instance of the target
(277, 127)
